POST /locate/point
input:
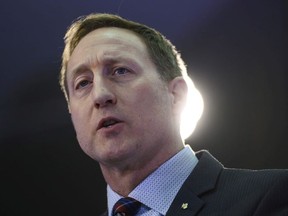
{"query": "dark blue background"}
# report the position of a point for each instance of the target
(236, 52)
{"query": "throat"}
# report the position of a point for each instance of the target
(121, 182)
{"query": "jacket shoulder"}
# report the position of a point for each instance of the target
(228, 191)
(104, 214)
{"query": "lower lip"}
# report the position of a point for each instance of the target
(116, 128)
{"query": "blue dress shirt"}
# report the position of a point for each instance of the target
(159, 189)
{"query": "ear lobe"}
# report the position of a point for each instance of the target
(179, 90)
(69, 108)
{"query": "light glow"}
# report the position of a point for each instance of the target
(193, 110)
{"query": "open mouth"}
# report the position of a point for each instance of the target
(108, 122)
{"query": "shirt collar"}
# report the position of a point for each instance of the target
(152, 191)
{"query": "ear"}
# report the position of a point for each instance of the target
(179, 90)
(69, 108)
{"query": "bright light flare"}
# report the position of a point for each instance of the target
(193, 110)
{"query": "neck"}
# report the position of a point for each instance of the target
(124, 179)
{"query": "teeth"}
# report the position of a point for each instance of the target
(109, 123)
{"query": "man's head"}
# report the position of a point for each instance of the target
(162, 53)
(125, 91)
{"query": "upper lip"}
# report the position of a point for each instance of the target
(103, 121)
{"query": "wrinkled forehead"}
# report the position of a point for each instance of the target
(112, 36)
(108, 44)
(108, 38)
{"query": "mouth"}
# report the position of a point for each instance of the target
(108, 122)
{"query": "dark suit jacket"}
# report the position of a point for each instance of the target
(212, 189)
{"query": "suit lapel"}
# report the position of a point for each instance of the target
(202, 179)
(186, 205)
(104, 213)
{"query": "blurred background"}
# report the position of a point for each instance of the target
(236, 52)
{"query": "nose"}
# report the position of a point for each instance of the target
(103, 95)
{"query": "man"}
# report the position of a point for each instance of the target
(124, 85)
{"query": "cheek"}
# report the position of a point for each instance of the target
(81, 129)
(75, 120)
(142, 98)
(149, 101)
(78, 118)
(74, 112)
(78, 110)
(154, 95)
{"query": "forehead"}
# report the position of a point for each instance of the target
(110, 39)
(110, 42)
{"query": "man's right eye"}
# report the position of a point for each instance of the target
(82, 84)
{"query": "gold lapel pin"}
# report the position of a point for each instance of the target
(184, 206)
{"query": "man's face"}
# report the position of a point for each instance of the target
(120, 108)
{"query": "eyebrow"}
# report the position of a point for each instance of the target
(107, 60)
(77, 70)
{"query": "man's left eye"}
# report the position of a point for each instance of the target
(120, 71)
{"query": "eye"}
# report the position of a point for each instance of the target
(120, 71)
(82, 84)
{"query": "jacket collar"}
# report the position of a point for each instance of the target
(201, 180)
